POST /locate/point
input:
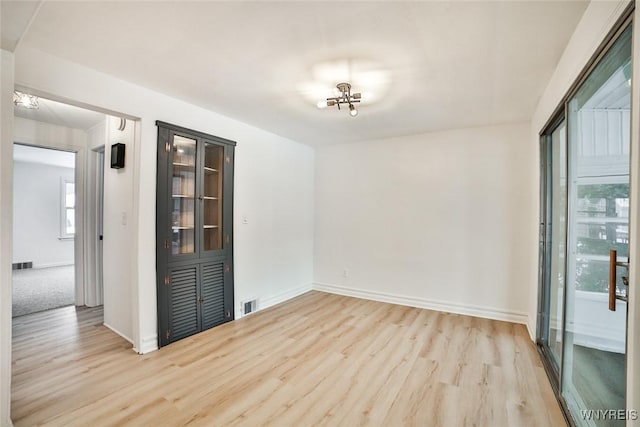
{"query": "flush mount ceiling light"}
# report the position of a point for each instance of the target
(345, 97)
(317, 81)
(24, 100)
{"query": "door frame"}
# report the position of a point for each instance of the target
(555, 376)
(95, 212)
(559, 114)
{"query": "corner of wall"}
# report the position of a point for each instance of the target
(117, 332)
(147, 345)
(428, 304)
(531, 328)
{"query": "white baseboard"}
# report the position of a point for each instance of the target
(448, 307)
(271, 300)
(118, 332)
(148, 344)
(531, 329)
(52, 264)
(7, 422)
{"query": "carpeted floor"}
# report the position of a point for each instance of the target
(39, 289)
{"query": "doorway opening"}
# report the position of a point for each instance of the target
(44, 229)
(56, 190)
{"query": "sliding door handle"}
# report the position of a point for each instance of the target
(613, 295)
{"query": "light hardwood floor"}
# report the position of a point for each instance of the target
(318, 359)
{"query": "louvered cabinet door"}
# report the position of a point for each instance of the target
(183, 302)
(212, 305)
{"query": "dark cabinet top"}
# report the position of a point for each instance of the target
(195, 133)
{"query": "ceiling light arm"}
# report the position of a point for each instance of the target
(345, 98)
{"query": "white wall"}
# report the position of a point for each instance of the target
(117, 230)
(42, 134)
(6, 225)
(37, 207)
(436, 220)
(273, 252)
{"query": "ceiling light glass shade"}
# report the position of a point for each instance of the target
(320, 78)
(322, 104)
(25, 100)
(352, 110)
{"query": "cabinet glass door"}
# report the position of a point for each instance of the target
(183, 195)
(212, 197)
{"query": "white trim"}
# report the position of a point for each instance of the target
(6, 229)
(148, 344)
(118, 332)
(137, 294)
(445, 306)
(270, 301)
(93, 213)
(633, 304)
(51, 264)
(531, 331)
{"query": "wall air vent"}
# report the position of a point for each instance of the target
(21, 265)
(249, 307)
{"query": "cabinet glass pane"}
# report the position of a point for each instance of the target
(183, 193)
(212, 197)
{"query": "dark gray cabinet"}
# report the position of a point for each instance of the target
(194, 226)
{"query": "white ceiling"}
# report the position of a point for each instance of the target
(61, 114)
(431, 65)
(15, 17)
(45, 156)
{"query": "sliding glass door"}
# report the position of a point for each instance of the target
(585, 241)
(555, 157)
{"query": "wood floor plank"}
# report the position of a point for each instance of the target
(318, 359)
